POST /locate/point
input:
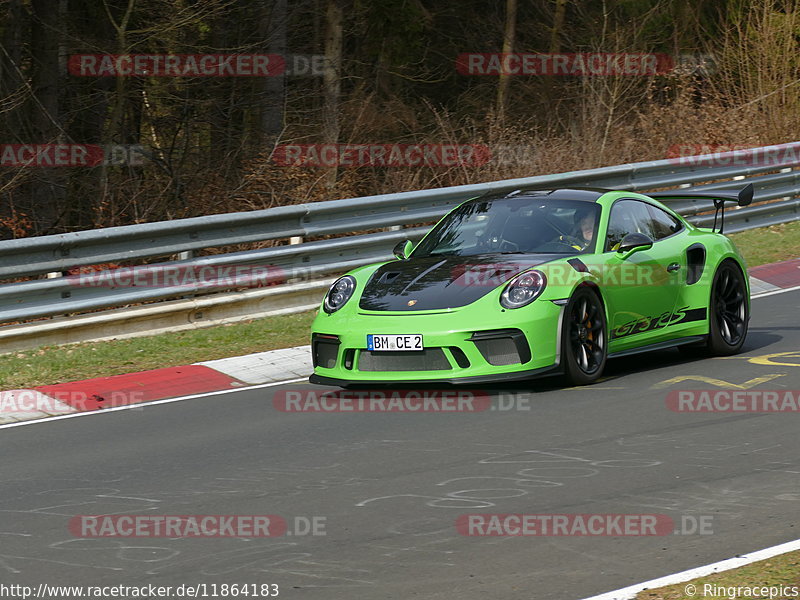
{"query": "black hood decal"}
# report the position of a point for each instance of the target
(441, 282)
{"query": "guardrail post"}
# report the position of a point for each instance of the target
(786, 170)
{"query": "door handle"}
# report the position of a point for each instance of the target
(673, 267)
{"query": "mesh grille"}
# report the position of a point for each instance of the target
(499, 351)
(430, 359)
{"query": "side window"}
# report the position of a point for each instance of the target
(628, 216)
(664, 224)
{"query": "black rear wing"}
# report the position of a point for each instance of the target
(743, 198)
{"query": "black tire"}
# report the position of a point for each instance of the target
(584, 338)
(729, 311)
(728, 314)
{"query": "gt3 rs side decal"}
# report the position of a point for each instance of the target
(642, 324)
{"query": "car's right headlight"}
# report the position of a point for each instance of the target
(339, 293)
(523, 289)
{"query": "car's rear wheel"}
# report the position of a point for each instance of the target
(728, 313)
(584, 337)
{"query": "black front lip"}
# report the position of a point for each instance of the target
(495, 378)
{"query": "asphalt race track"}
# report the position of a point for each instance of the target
(390, 486)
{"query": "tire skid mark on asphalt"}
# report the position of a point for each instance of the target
(548, 468)
(165, 555)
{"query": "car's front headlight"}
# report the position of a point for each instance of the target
(523, 289)
(339, 293)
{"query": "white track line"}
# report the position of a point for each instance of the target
(143, 405)
(629, 592)
(773, 292)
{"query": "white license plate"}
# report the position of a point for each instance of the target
(394, 342)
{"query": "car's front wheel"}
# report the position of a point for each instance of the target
(584, 337)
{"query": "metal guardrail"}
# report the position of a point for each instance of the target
(31, 257)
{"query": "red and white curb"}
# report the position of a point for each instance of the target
(265, 367)
(774, 277)
(158, 384)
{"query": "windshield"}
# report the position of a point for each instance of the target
(515, 226)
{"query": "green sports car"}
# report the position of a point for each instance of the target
(534, 282)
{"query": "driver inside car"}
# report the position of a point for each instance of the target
(583, 232)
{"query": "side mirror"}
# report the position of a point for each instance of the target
(634, 242)
(403, 249)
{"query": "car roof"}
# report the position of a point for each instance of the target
(585, 194)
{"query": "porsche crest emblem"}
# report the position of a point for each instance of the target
(412, 302)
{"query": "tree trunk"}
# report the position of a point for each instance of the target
(508, 46)
(332, 83)
(558, 25)
(11, 84)
(48, 188)
(273, 28)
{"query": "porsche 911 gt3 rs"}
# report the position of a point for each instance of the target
(516, 285)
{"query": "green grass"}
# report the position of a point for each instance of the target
(769, 244)
(781, 570)
(55, 364)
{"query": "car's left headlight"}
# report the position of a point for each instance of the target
(523, 289)
(339, 293)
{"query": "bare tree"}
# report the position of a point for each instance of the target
(508, 47)
(332, 81)
(48, 190)
(273, 26)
